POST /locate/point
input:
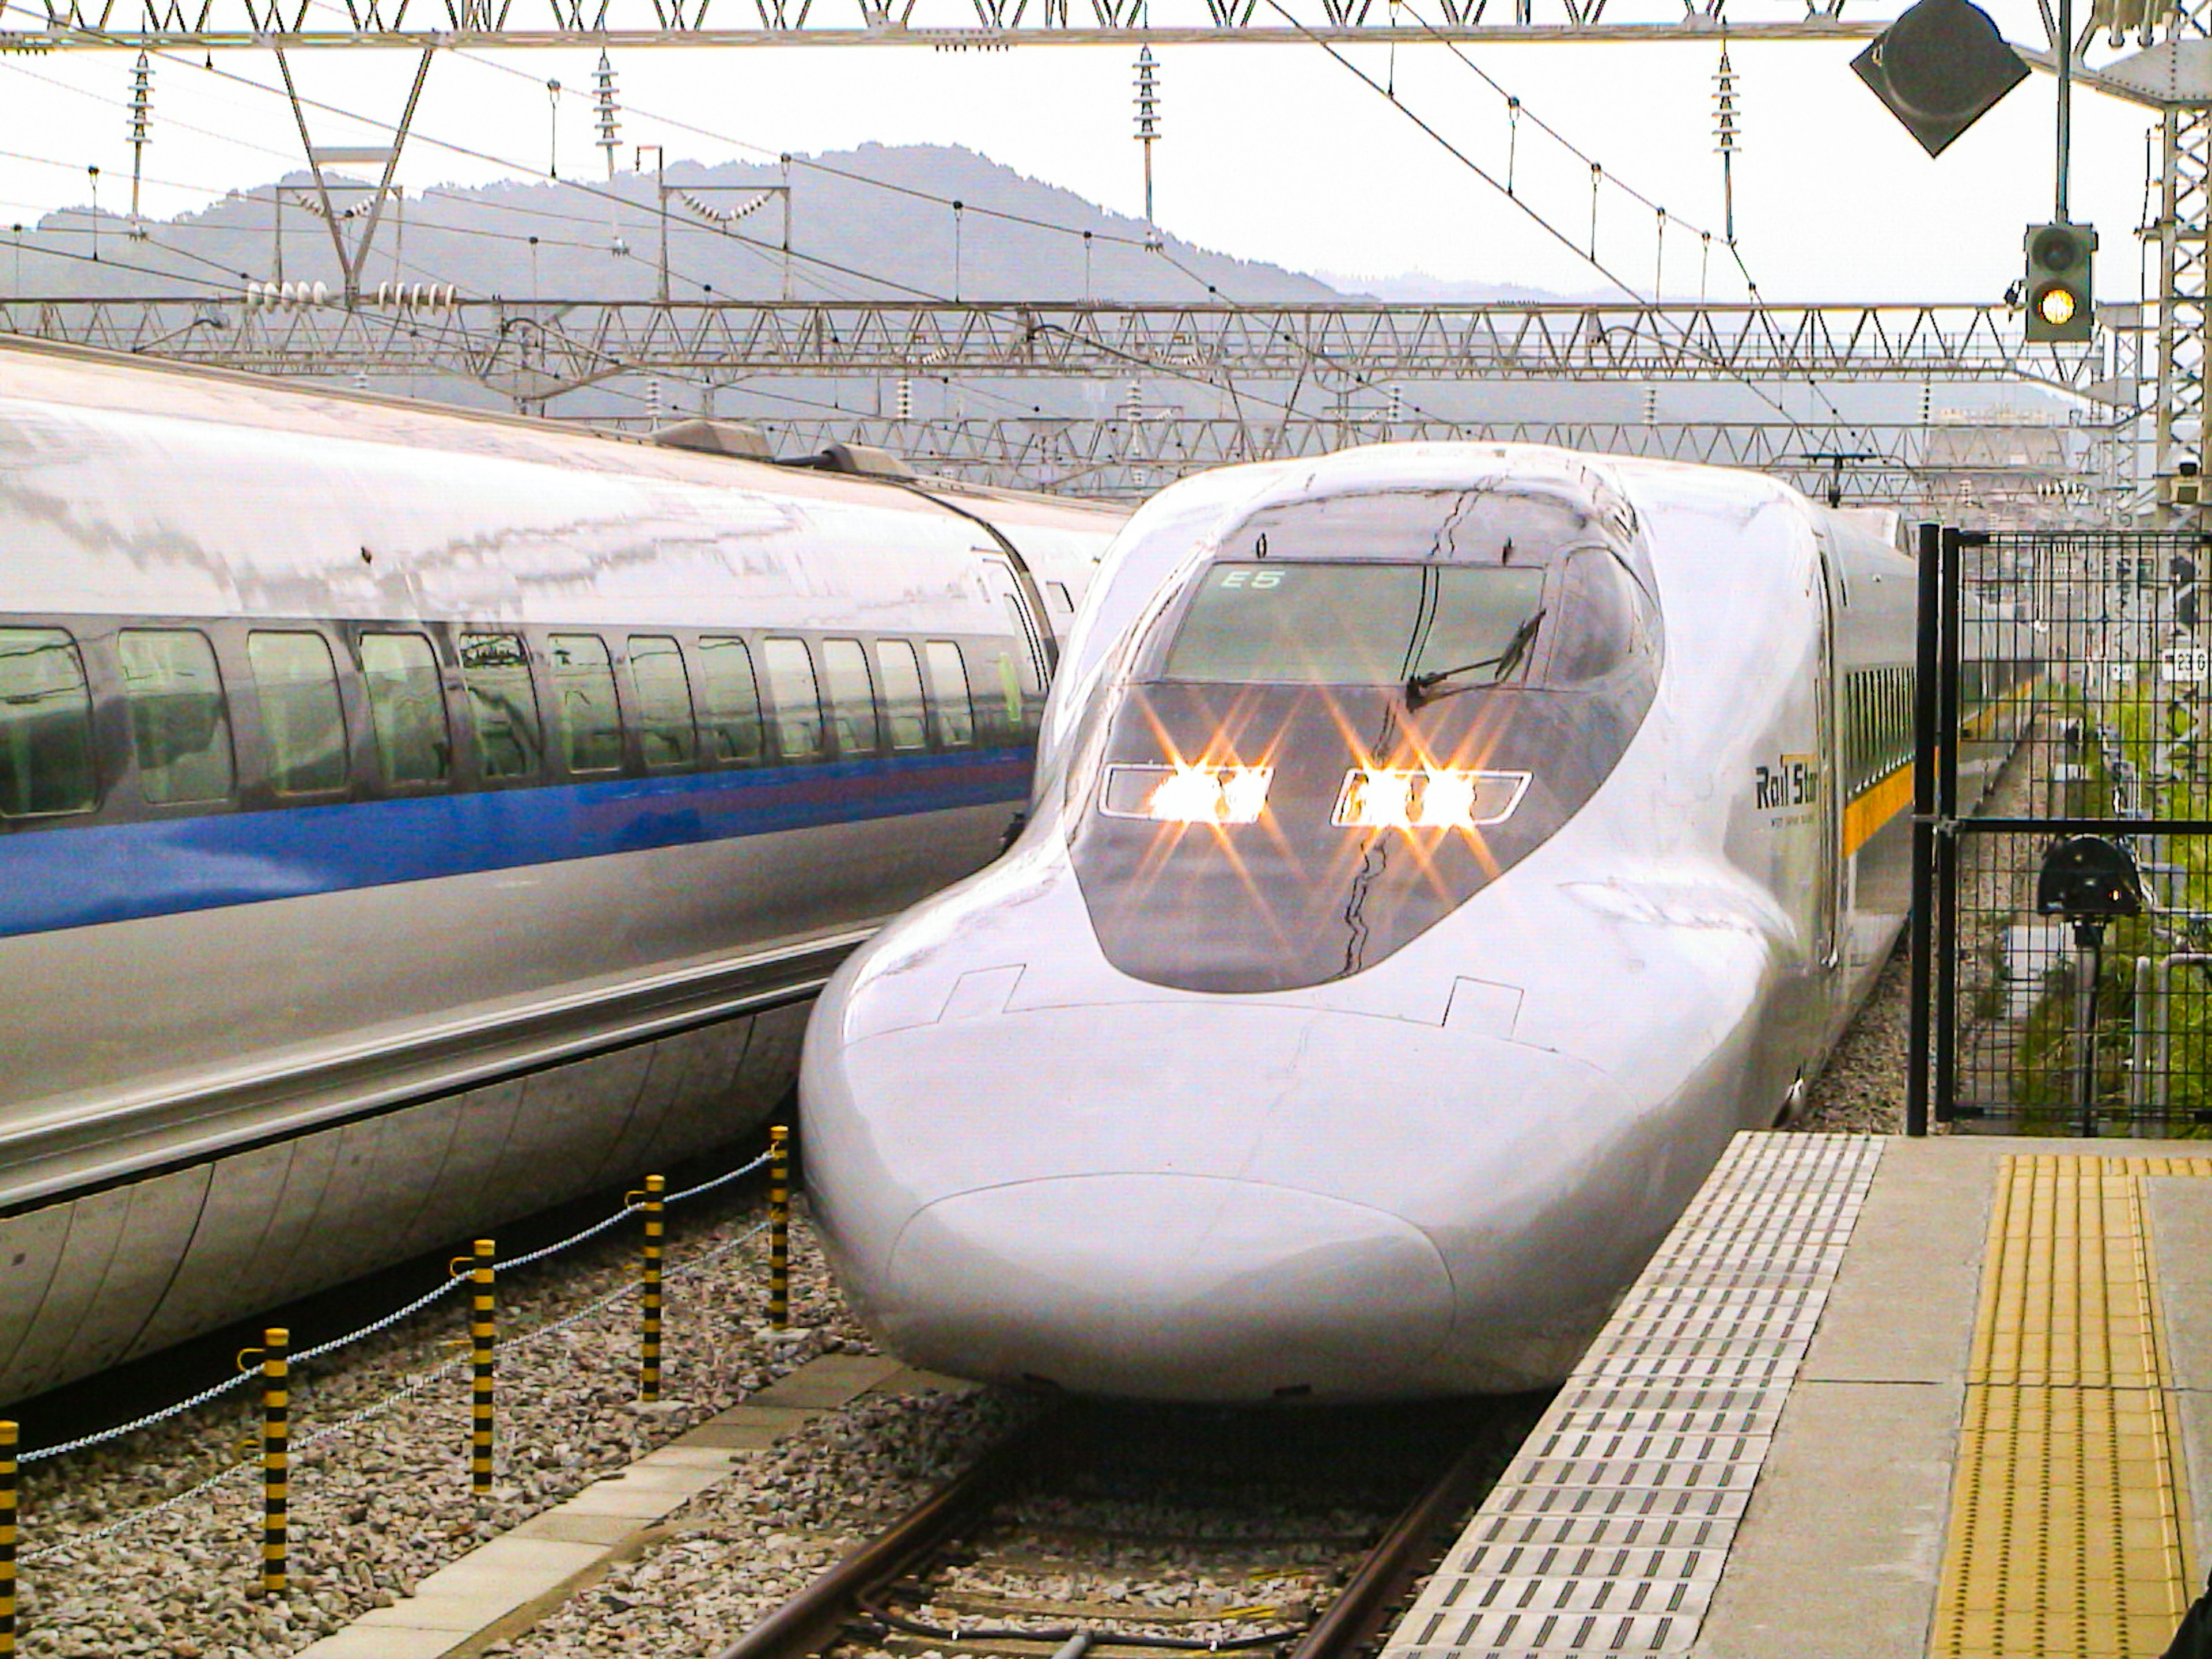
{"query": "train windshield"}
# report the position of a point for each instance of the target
(1358, 624)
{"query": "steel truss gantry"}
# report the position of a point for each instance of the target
(539, 350)
(1890, 464)
(2185, 309)
(535, 354)
(948, 25)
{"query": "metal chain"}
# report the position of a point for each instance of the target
(388, 1321)
(538, 1333)
(140, 1517)
(570, 1242)
(413, 1386)
(714, 1255)
(631, 1208)
(541, 1332)
(719, 1181)
(136, 1423)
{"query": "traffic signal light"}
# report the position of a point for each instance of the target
(2059, 296)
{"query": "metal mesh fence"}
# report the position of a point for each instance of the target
(2073, 699)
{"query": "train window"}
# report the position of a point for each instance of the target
(180, 723)
(903, 709)
(1600, 621)
(407, 707)
(798, 702)
(851, 699)
(1359, 624)
(729, 702)
(45, 726)
(495, 667)
(664, 699)
(1009, 689)
(301, 723)
(948, 694)
(584, 702)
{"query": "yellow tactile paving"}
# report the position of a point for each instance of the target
(2068, 1510)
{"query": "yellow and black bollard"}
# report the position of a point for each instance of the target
(6, 1538)
(649, 1373)
(275, 1459)
(482, 1332)
(779, 1227)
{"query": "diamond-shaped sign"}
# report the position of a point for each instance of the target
(1940, 67)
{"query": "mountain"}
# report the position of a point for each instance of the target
(873, 222)
(862, 225)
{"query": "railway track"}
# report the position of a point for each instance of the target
(1141, 1534)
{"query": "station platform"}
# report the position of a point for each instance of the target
(1873, 1398)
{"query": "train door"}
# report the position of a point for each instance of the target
(1023, 678)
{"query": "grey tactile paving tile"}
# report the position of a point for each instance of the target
(1609, 1532)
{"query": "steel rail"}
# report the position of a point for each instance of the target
(1397, 1559)
(850, 1591)
(803, 1625)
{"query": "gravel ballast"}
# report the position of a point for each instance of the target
(385, 1500)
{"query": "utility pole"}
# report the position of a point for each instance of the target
(661, 182)
(2064, 43)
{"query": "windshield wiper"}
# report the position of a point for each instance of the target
(1420, 685)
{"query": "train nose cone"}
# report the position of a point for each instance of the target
(1181, 1286)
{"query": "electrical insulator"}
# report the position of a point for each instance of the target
(141, 98)
(1148, 96)
(142, 121)
(603, 99)
(1724, 102)
(905, 403)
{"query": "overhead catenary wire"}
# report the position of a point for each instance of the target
(1168, 370)
(1589, 257)
(1518, 109)
(1088, 235)
(818, 261)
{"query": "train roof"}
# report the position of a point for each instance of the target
(106, 381)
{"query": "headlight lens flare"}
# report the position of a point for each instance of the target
(1187, 795)
(1450, 797)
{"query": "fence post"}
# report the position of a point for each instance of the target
(276, 1458)
(481, 1334)
(6, 1538)
(648, 1378)
(779, 1227)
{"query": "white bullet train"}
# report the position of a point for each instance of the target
(411, 820)
(1439, 853)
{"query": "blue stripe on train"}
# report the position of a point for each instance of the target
(56, 879)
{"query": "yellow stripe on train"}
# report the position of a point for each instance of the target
(1875, 805)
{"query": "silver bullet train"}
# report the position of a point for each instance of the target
(411, 820)
(1439, 852)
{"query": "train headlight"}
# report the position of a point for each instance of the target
(1430, 797)
(1187, 795)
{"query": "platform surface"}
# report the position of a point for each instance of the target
(1873, 1398)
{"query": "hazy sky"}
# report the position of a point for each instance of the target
(1273, 153)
